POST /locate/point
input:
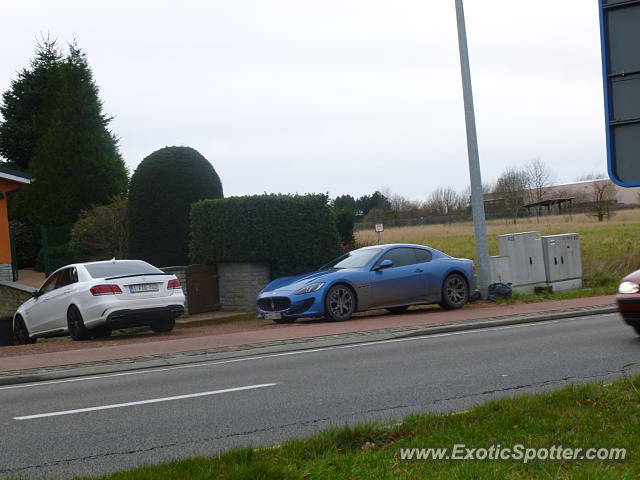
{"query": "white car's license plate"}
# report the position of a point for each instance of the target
(273, 316)
(143, 287)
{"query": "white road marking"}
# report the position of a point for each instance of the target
(144, 402)
(285, 354)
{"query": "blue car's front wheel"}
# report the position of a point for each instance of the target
(339, 304)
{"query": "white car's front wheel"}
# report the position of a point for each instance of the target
(21, 333)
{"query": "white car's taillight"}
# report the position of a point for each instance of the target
(173, 284)
(105, 290)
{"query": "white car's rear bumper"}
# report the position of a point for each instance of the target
(130, 313)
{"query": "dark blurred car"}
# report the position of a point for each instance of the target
(628, 299)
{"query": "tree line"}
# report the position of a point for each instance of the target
(514, 188)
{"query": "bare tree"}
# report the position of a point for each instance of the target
(511, 188)
(399, 203)
(390, 207)
(464, 201)
(602, 194)
(540, 177)
(442, 201)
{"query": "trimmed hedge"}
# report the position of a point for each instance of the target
(163, 187)
(344, 224)
(292, 233)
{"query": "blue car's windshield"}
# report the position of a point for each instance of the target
(354, 259)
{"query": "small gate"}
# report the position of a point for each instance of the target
(202, 288)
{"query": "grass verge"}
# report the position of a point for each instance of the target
(607, 289)
(588, 415)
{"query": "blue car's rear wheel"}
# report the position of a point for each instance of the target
(455, 292)
(339, 304)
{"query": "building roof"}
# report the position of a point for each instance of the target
(549, 202)
(15, 175)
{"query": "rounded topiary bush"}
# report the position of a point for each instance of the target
(162, 189)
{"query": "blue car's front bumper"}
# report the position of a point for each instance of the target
(290, 305)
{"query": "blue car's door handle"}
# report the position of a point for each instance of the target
(419, 270)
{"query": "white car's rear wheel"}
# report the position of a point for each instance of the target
(77, 329)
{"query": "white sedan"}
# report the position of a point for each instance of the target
(90, 299)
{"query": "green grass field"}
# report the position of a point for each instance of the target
(610, 249)
(591, 415)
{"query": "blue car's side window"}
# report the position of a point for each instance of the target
(399, 256)
(423, 256)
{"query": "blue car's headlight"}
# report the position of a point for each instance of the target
(312, 287)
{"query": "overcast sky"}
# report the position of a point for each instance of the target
(337, 96)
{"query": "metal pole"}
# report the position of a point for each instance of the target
(45, 249)
(14, 256)
(477, 202)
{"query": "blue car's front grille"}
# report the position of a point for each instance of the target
(274, 304)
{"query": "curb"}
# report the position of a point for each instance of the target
(281, 346)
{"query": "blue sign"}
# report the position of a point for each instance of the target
(620, 41)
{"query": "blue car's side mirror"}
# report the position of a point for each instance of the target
(385, 264)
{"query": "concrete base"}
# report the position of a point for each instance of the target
(566, 285)
(527, 289)
(6, 274)
(240, 284)
(561, 286)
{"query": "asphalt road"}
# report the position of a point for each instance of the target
(97, 425)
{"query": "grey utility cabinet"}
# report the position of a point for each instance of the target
(562, 261)
(526, 261)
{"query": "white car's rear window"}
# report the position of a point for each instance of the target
(118, 268)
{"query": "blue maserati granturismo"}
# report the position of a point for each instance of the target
(391, 276)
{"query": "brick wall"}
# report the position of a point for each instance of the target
(240, 284)
(12, 295)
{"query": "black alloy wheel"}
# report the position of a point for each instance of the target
(77, 330)
(339, 304)
(21, 333)
(455, 292)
